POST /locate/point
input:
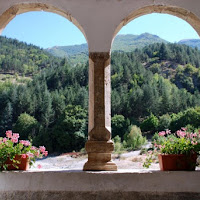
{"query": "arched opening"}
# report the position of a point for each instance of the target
(166, 68)
(55, 98)
(9, 14)
(186, 15)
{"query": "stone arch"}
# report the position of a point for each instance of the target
(182, 13)
(14, 10)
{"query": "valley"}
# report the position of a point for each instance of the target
(45, 97)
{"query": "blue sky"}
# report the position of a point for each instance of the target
(48, 29)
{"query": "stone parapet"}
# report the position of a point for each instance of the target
(75, 185)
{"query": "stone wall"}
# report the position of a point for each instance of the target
(121, 185)
(100, 20)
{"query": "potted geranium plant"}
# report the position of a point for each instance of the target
(175, 151)
(18, 154)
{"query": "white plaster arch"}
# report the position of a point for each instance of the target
(182, 13)
(20, 8)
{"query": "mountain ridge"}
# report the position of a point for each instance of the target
(125, 42)
(78, 54)
(191, 42)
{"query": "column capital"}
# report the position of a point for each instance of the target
(99, 56)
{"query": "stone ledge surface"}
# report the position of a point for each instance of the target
(102, 185)
(120, 195)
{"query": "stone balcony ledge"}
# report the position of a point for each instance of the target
(100, 185)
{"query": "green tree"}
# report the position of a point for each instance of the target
(117, 144)
(6, 120)
(119, 125)
(70, 131)
(134, 139)
(164, 122)
(150, 124)
(164, 52)
(26, 125)
(47, 112)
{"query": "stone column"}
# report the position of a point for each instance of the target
(99, 145)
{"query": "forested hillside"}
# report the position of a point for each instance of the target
(76, 54)
(18, 57)
(178, 63)
(51, 109)
(137, 92)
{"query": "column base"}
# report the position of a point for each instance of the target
(95, 166)
(99, 156)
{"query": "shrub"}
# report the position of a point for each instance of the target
(190, 116)
(190, 69)
(150, 124)
(190, 128)
(155, 68)
(164, 122)
(26, 125)
(119, 125)
(118, 145)
(134, 139)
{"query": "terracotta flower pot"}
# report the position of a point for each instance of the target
(22, 165)
(179, 162)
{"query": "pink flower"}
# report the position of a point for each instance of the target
(42, 149)
(33, 148)
(194, 143)
(195, 135)
(168, 131)
(30, 155)
(181, 133)
(45, 153)
(14, 140)
(37, 153)
(5, 140)
(25, 142)
(16, 135)
(39, 166)
(23, 155)
(21, 141)
(162, 133)
(9, 134)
